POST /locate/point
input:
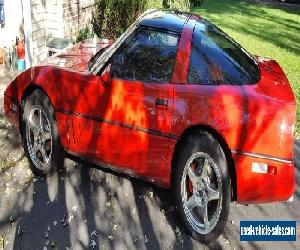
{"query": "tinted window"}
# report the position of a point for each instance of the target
(148, 56)
(217, 59)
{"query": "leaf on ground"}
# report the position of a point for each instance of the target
(146, 239)
(94, 234)
(93, 244)
(52, 243)
(70, 218)
(177, 231)
(11, 219)
(2, 240)
(133, 210)
(20, 231)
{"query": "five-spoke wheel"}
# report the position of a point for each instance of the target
(201, 189)
(39, 139)
(201, 185)
(40, 134)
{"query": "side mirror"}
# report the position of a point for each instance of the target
(105, 76)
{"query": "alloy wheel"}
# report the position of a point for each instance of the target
(201, 192)
(39, 138)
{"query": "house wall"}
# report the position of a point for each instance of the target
(57, 19)
(13, 25)
(76, 15)
(47, 23)
(38, 22)
(45, 19)
(54, 19)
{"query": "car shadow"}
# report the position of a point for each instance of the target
(86, 205)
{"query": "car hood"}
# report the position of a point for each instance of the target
(77, 57)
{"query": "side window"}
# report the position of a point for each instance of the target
(149, 56)
(216, 59)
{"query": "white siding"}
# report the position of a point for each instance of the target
(13, 23)
(54, 19)
(38, 20)
(47, 23)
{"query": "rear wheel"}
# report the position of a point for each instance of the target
(202, 186)
(40, 134)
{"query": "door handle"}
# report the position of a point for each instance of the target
(161, 102)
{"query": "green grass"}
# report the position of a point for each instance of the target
(267, 30)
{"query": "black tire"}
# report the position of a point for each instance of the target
(192, 144)
(56, 156)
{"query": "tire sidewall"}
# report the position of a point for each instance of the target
(39, 98)
(202, 142)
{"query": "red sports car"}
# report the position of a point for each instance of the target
(175, 101)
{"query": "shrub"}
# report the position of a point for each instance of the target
(178, 5)
(155, 4)
(112, 17)
(84, 33)
(196, 3)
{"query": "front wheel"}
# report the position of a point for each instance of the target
(40, 135)
(202, 186)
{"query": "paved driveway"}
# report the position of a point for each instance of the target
(85, 207)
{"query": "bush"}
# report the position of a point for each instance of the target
(196, 3)
(84, 33)
(155, 4)
(112, 17)
(182, 5)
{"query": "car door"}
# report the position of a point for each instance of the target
(134, 132)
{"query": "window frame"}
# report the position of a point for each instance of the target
(130, 38)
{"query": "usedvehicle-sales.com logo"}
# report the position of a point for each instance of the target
(268, 231)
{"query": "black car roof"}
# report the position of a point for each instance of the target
(169, 20)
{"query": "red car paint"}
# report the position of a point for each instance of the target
(130, 133)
